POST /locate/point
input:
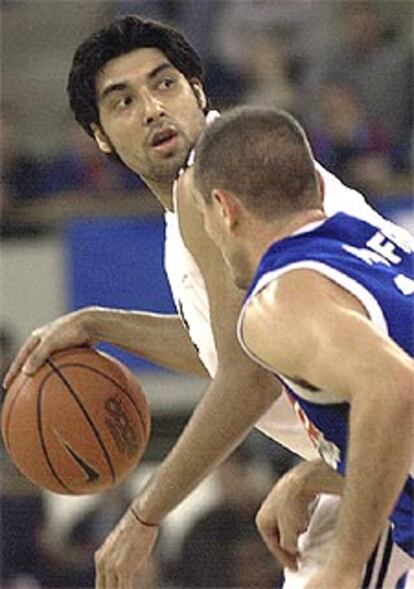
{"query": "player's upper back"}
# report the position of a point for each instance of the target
(374, 263)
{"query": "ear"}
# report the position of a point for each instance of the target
(101, 139)
(198, 90)
(229, 207)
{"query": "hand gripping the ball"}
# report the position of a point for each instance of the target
(65, 332)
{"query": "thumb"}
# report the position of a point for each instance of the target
(289, 539)
(271, 537)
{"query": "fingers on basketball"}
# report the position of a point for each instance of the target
(79, 425)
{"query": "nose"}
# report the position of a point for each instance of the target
(153, 109)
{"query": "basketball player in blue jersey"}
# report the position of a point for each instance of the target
(329, 309)
(136, 87)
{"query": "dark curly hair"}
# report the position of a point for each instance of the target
(122, 36)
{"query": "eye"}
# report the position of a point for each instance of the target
(166, 83)
(123, 103)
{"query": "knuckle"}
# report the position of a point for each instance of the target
(286, 543)
(98, 556)
(37, 333)
(33, 358)
(262, 519)
(262, 528)
(32, 363)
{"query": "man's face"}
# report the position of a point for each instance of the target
(150, 115)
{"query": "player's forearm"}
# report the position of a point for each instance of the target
(229, 409)
(162, 339)
(379, 458)
(314, 477)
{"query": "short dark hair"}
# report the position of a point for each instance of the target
(260, 154)
(123, 36)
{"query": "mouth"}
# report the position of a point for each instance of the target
(164, 140)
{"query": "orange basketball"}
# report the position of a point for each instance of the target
(78, 426)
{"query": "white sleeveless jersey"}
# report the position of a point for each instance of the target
(190, 297)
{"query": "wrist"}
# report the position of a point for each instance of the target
(91, 320)
(141, 520)
(317, 477)
(303, 481)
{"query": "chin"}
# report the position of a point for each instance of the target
(174, 162)
(167, 169)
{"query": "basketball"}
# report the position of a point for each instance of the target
(79, 425)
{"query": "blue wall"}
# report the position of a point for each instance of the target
(117, 263)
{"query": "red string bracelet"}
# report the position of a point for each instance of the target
(141, 521)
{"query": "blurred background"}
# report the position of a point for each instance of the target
(78, 230)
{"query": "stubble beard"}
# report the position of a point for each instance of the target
(167, 169)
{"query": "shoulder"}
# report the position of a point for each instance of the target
(288, 319)
(280, 301)
(296, 294)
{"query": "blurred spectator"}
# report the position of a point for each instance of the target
(196, 20)
(349, 144)
(7, 348)
(225, 86)
(214, 550)
(80, 167)
(270, 83)
(377, 66)
(21, 172)
(286, 19)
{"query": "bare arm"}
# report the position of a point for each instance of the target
(162, 339)
(159, 338)
(239, 394)
(315, 477)
(338, 349)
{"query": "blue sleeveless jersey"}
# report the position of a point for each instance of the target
(375, 265)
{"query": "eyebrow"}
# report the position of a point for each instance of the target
(120, 86)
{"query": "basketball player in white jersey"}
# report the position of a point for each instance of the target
(329, 308)
(136, 88)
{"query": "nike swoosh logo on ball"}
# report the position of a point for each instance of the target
(92, 476)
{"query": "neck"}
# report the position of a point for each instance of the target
(162, 190)
(265, 233)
